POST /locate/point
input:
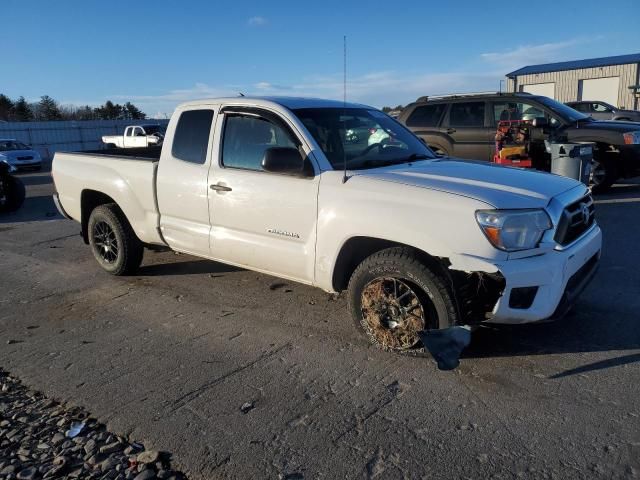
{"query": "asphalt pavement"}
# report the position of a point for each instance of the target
(243, 375)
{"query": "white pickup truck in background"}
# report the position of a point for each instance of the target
(135, 136)
(419, 242)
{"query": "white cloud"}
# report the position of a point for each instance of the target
(384, 88)
(374, 88)
(257, 21)
(523, 55)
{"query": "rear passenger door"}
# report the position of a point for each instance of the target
(425, 121)
(182, 186)
(600, 111)
(468, 130)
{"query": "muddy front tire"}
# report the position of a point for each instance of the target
(393, 295)
(113, 242)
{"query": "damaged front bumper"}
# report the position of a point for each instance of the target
(544, 287)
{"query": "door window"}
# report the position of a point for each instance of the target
(581, 107)
(600, 108)
(247, 137)
(467, 114)
(427, 115)
(518, 111)
(191, 139)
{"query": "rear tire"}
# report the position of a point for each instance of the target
(113, 242)
(392, 295)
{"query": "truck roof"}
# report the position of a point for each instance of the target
(287, 102)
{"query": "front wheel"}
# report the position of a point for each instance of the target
(393, 296)
(603, 175)
(113, 242)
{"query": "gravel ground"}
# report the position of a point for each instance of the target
(41, 438)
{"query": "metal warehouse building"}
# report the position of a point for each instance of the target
(615, 80)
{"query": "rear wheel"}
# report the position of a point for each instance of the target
(113, 242)
(393, 296)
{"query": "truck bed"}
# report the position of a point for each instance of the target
(126, 176)
(142, 153)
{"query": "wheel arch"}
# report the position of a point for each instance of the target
(89, 201)
(355, 249)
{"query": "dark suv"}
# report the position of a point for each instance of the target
(464, 126)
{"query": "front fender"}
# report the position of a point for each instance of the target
(438, 223)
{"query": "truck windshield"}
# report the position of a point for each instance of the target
(567, 113)
(364, 138)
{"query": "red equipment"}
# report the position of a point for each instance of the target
(512, 143)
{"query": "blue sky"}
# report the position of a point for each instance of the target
(160, 53)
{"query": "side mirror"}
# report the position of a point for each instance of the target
(284, 160)
(539, 122)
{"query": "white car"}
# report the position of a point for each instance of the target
(419, 242)
(19, 155)
(135, 136)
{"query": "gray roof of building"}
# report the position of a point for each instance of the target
(574, 64)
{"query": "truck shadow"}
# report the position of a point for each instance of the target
(189, 267)
(577, 333)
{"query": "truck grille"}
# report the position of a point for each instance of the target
(576, 219)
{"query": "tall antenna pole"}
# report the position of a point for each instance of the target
(344, 105)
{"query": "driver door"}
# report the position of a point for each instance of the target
(264, 221)
(600, 111)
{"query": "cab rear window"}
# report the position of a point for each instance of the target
(191, 139)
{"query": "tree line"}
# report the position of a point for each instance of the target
(48, 109)
(391, 109)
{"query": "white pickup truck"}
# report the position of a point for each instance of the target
(135, 136)
(419, 242)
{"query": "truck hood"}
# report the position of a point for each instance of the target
(631, 113)
(608, 125)
(501, 187)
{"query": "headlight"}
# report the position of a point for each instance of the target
(632, 138)
(513, 230)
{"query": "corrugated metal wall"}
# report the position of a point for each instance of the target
(49, 137)
(567, 81)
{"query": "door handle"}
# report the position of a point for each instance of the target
(220, 188)
(451, 130)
